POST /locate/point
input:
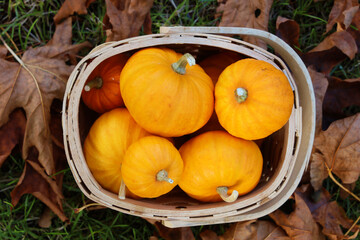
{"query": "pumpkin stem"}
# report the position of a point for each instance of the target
(162, 175)
(122, 190)
(222, 191)
(94, 83)
(241, 94)
(180, 66)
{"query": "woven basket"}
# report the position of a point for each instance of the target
(286, 152)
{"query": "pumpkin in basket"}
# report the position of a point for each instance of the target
(101, 92)
(152, 166)
(219, 166)
(253, 99)
(166, 92)
(106, 143)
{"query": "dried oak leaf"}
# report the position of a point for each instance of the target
(124, 19)
(327, 213)
(299, 224)
(289, 31)
(355, 32)
(70, 7)
(342, 14)
(244, 13)
(337, 149)
(341, 96)
(254, 230)
(34, 85)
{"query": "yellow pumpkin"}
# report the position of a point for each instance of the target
(253, 99)
(166, 95)
(106, 143)
(152, 166)
(219, 166)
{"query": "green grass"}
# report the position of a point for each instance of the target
(29, 24)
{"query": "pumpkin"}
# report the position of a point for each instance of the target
(215, 64)
(101, 92)
(166, 95)
(219, 166)
(152, 166)
(253, 99)
(106, 143)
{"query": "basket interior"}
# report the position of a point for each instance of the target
(272, 148)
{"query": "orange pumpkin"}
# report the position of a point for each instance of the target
(164, 94)
(219, 166)
(152, 166)
(106, 143)
(101, 92)
(253, 99)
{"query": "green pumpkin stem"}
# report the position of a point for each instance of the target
(180, 66)
(122, 190)
(222, 191)
(94, 83)
(162, 175)
(241, 94)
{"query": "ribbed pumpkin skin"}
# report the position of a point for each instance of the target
(215, 159)
(144, 159)
(162, 101)
(268, 105)
(108, 96)
(104, 148)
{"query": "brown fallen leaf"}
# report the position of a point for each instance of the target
(355, 32)
(326, 212)
(182, 233)
(299, 224)
(243, 13)
(342, 14)
(70, 7)
(289, 31)
(343, 40)
(254, 230)
(340, 96)
(12, 134)
(34, 85)
(124, 19)
(320, 85)
(337, 149)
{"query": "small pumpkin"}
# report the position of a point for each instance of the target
(166, 92)
(152, 166)
(253, 99)
(101, 92)
(215, 64)
(219, 166)
(106, 143)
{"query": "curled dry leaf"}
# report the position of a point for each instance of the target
(289, 31)
(243, 13)
(124, 19)
(255, 230)
(327, 213)
(34, 85)
(343, 40)
(342, 14)
(70, 7)
(299, 224)
(337, 149)
(182, 233)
